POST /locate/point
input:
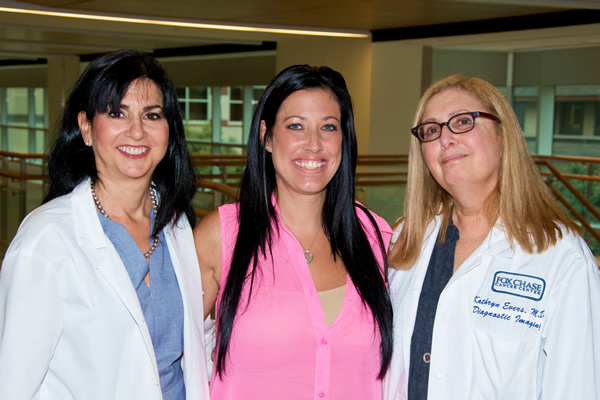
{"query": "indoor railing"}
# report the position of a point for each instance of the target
(567, 177)
(380, 185)
(227, 168)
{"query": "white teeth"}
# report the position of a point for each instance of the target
(133, 151)
(310, 164)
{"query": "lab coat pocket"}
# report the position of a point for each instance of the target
(503, 369)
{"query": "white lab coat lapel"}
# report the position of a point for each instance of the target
(416, 282)
(185, 264)
(103, 256)
(405, 288)
(411, 282)
(495, 248)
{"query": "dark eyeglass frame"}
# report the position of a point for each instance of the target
(474, 114)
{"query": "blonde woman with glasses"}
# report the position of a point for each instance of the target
(495, 293)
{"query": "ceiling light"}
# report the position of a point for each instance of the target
(261, 29)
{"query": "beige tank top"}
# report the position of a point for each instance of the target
(332, 302)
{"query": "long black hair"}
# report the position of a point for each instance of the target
(101, 87)
(339, 219)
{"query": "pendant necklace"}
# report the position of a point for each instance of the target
(154, 208)
(308, 256)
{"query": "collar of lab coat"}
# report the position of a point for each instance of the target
(87, 225)
(103, 256)
(494, 245)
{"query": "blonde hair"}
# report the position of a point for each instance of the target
(522, 202)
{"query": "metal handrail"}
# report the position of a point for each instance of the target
(27, 128)
(576, 214)
(228, 190)
(223, 161)
(362, 178)
(574, 176)
(593, 160)
(556, 173)
(23, 155)
(563, 178)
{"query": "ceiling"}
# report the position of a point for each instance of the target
(25, 36)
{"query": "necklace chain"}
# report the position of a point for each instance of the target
(154, 208)
(308, 256)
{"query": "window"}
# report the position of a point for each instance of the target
(525, 99)
(576, 120)
(257, 91)
(199, 106)
(577, 111)
(194, 103)
(236, 104)
(23, 113)
(569, 115)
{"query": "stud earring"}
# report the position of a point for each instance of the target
(267, 147)
(87, 143)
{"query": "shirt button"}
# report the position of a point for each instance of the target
(427, 358)
(321, 395)
(444, 318)
(439, 374)
(324, 341)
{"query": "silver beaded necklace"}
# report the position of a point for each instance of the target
(154, 208)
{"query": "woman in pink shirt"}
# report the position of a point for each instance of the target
(296, 267)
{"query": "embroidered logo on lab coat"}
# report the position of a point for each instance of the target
(527, 286)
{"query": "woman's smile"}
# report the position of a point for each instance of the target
(310, 164)
(134, 151)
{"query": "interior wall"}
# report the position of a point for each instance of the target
(62, 74)
(490, 66)
(557, 67)
(396, 85)
(24, 76)
(238, 69)
(350, 57)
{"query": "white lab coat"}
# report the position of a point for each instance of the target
(509, 325)
(71, 325)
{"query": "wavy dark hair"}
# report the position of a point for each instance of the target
(339, 218)
(100, 88)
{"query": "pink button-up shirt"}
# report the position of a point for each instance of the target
(281, 347)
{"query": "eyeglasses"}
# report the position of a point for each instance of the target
(460, 123)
